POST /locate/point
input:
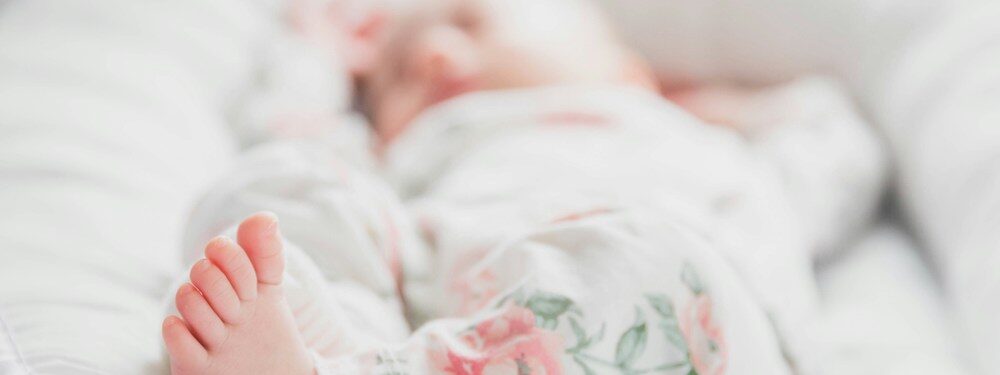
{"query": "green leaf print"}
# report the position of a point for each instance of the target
(581, 335)
(690, 278)
(673, 334)
(586, 369)
(665, 309)
(522, 367)
(548, 306)
(632, 343)
(597, 337)
(661, 304)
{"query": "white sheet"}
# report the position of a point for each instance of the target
(941, 108)
(928, 72)
(111, 121)
(884, 312)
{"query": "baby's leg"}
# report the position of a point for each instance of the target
(606, 294)
(234, 317)
(348, 242)
(610, 292)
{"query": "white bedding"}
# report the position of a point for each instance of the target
(884, 313)
(928, 73)
(942, 110)
(111, 121)
(98, 97)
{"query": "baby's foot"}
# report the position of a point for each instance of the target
(234, 318)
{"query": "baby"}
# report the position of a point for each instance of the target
(580, 223)
(446, 48)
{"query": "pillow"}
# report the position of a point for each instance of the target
(764, 41)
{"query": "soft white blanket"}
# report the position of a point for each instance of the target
(112, 121)
(926, 72)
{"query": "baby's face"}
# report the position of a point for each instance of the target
(443, 48)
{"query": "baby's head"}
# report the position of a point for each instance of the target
(437, 49)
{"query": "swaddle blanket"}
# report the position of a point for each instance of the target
(561, 230)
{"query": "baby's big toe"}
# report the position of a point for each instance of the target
(258, 235)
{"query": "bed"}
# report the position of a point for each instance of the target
(116, 114)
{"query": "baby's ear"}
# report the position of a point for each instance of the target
(364, 31)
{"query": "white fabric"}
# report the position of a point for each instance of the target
(112, 120)
(940, 111)
(884, 312)
(764, 41)
(167, 70)
(335, 212)
(634, 164)
(351, 242)
(488, 165)
(826, 153)
(925, 70)
(347, 322)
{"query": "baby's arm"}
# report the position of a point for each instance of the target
(831, 160)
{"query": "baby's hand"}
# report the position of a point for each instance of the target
(725, 105)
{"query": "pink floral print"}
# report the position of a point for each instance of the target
(475, 289)
(507, 344)
(706, 342)
(537, 332)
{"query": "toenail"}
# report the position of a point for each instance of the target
(201, 264)
(220, 241)
(273, 224)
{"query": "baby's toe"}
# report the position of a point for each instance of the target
(235, 264)
(202, 320)
(258, 235)
(217, 290)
